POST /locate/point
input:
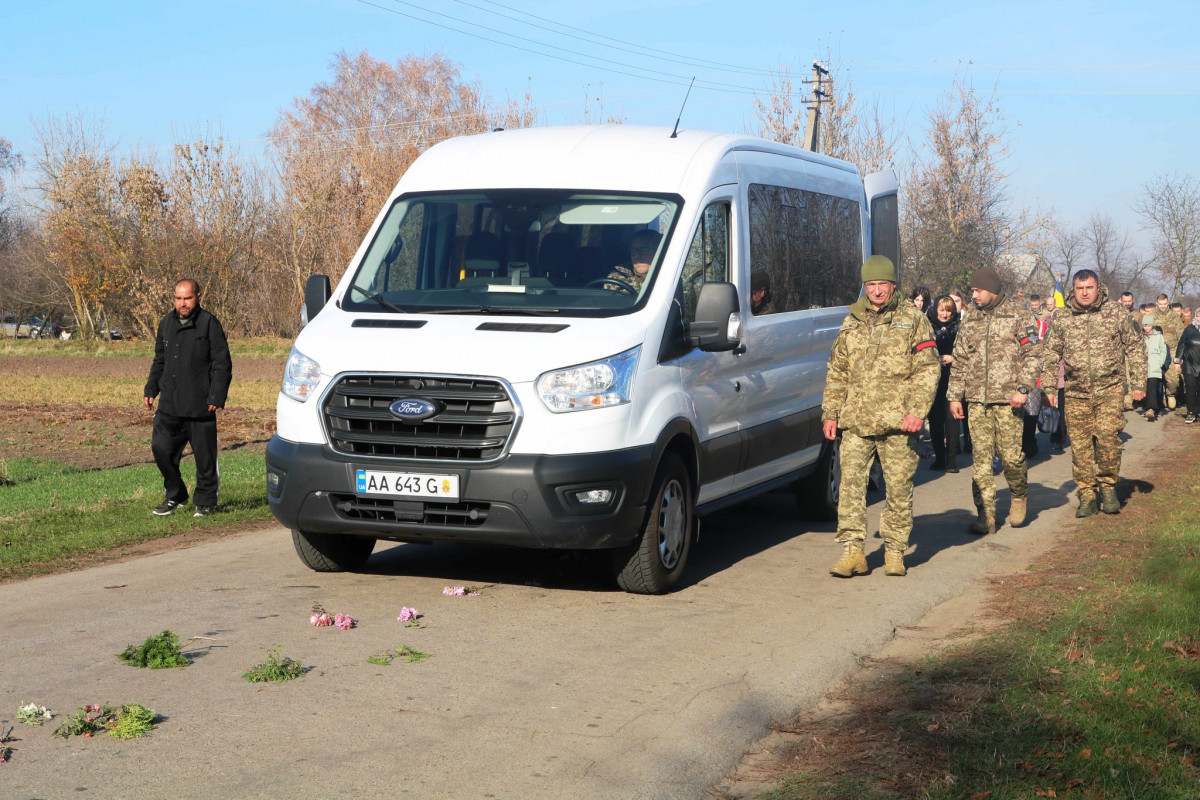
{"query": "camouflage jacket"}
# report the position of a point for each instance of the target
(883, 366)
(1171, 325)
(627, 277)
(995, 352)
(1095, 345)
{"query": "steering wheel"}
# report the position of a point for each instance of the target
(620, 284)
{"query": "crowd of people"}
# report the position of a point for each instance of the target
(982, 378)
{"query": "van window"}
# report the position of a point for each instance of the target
(515, 252)
(885, 227)
(808, 244)
(707, 257)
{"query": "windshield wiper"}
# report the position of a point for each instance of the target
(529, 312)
(380, 299)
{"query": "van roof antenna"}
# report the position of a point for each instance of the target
(675, 133)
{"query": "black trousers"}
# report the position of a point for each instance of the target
(171, 435)
(1059, 435)
(1153, 399)
(1192, 385)
(943, 430)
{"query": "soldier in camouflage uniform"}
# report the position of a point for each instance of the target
(1095, 342)
(1171, 325)
(883, 374)
(996, 365)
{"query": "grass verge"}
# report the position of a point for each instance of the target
(51, 513)
(1091, 691)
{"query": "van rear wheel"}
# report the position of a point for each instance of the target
(817, 495)
(332, 552)
(661, 552)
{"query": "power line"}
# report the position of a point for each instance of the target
(676, 80)
(662, 55)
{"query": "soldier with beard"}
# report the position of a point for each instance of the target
(1094, 340)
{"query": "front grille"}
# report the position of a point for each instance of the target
(466, 514)
(476, 421)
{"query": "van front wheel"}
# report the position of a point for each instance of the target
(332, 552)
(661, 552)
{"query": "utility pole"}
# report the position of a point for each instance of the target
(822, 88)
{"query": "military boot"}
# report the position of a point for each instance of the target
(1109, 503)
(852, 562)
(1087, 506)
(984, 524)
(1016, 511)
(893, 563)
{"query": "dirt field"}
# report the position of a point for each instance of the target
(96, 437)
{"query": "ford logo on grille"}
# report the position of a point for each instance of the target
(413, 409)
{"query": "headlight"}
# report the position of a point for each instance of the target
(599, 384)
(300, 376)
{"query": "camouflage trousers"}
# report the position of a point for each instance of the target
(996, 427)
(1094, 425)
(898, 457)
(1172, 377)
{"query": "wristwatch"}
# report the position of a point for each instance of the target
(1023, 389)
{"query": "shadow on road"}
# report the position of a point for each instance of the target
(727, 537)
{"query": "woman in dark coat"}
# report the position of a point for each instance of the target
(1187, 355)
(943, 428)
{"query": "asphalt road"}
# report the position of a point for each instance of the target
(549, 684)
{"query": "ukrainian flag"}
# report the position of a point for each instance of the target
(1059, 300)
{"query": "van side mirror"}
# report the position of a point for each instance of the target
(316, 294)
(718, 322)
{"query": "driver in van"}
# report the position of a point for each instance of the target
(642, 248)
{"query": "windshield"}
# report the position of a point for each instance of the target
(535, 252)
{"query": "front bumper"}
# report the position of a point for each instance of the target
(521, 500)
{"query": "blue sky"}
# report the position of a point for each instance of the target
(1098, 97)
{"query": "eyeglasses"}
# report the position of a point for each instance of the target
(644, 250)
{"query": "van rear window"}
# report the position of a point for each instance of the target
(535, 252)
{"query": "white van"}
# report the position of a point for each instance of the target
(497, 366)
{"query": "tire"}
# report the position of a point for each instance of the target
(661, 552)
(332, 552)
(817, 495)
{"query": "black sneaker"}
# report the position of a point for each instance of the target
(1189, 419)
(166, 507)
(204, 511)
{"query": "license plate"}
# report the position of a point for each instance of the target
(407, 484)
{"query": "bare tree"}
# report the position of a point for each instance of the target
(849, 130)
(216, 218)
(340, 150)
(10, 162)
(1064, 250)
(955, 218)
(595, 110)
(519, 113)
(1111, 250)
(1170, 211)
(78, 203)
(780, 116)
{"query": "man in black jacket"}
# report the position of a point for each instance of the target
(192, 371)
